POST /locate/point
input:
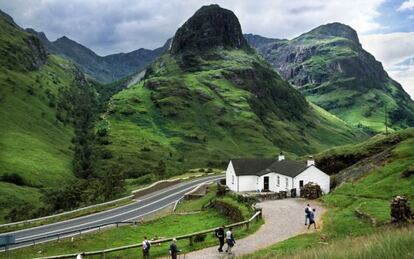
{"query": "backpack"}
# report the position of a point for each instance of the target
(148, 245)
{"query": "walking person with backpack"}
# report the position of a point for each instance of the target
(174, 249)
(312, 218)
(230, 240)
(308, 210)
(220, 235)
(146, 245)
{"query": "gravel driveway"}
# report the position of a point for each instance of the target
(283, 219)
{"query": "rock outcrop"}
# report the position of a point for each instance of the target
(210, 27)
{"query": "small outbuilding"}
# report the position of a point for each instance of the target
(280, 174)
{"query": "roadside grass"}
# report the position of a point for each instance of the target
(197, 204)
(166, 227)
(372, 195)
(65, 217)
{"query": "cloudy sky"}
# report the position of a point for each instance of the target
(386, 27)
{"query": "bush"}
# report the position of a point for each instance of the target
(199, 238)
(14, 178)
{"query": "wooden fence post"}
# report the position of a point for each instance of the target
(191, 241)
(247, 225)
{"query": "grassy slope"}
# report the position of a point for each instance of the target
(372, 195)
(33, 143)
(202, 118)
(355, 101)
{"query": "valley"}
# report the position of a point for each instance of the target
(78, 129)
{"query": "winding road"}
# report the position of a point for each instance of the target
(148, 204)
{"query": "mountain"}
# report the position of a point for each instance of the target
(104, 69)
(329, 66)
(208, 99)
(37, 135)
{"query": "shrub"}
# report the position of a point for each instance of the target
(199, 238)
(14, 178)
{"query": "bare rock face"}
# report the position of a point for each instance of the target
(210, 27)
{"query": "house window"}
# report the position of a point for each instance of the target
(287, 182)
(232, 179)
(278, 181)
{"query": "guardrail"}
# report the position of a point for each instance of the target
(29, 221)
(190, 237)
(60, 235)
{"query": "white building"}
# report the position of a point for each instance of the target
(274, 175)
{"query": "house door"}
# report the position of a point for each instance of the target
(300, 184)
(266, 183)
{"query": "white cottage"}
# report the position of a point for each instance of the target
(274, 175)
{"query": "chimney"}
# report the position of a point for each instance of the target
(280, 157)
(311, 161)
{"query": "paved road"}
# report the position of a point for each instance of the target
(147, 205)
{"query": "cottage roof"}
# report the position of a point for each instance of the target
(261, 167)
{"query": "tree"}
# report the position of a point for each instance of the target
(161, 170)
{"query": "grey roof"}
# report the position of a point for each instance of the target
(261, 167)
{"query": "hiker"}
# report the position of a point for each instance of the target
(220, 235)
(230, 240)
(146, 245)
(312, 218)
(308, 210)
(173, 249)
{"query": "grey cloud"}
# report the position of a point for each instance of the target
(124, 25)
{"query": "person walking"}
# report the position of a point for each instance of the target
(308, 210)
(312, 218)
(220, 236)
(146, 248)
(230, 240)
(174, 249)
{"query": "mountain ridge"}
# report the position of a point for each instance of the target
(104, 69)
(330, 67)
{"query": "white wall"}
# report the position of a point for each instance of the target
(273, 186)
(231, 178)
(247, 183)
(313, 174)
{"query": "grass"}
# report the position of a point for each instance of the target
(168, 226)
(372, 195)
(33, 143)
(191, 119)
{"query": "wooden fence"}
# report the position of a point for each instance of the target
(190, 237)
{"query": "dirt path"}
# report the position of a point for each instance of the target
(283, 219)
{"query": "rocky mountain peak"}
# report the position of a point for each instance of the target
(335, 29)
(210, 27)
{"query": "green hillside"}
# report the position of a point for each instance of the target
(330, 67)
(207, 100)
(370, 194)
(36, 132)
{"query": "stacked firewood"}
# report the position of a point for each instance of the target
(400, 209)
(311, 191)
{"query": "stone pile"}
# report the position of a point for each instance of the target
(400, 209)
(311, 191)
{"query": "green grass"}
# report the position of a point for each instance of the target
(197, 204)
(33, 143)
(202, 118)
(372, 195)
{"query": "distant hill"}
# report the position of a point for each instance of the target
(210, 98)
(330, 67)
(104, 69)
(36, 114)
